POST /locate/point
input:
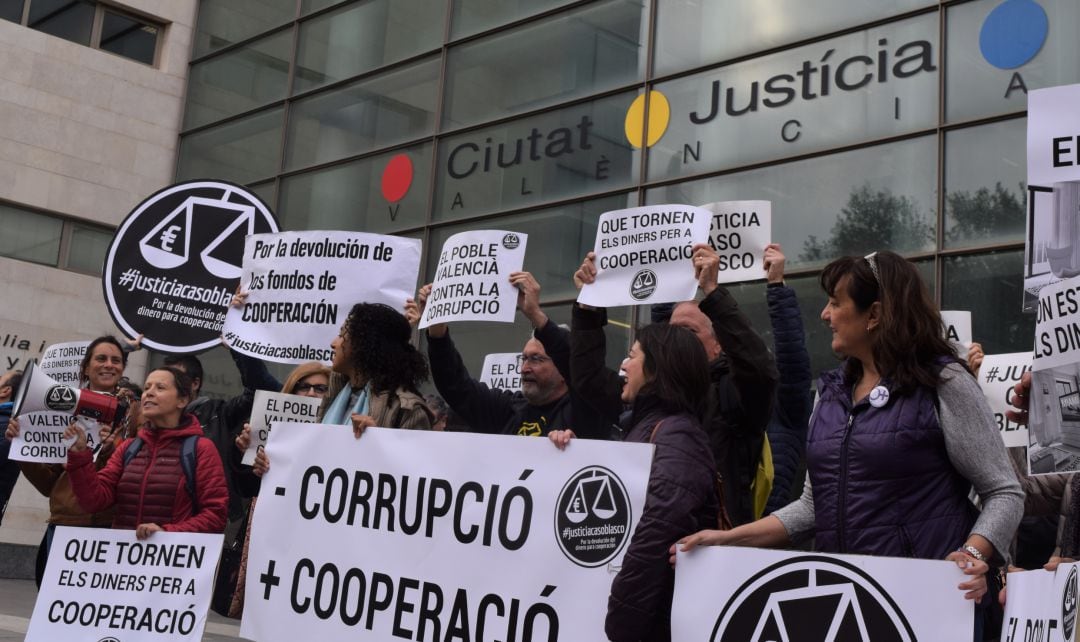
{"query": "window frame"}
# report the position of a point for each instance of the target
(100, 8)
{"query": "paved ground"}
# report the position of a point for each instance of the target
(17, 605)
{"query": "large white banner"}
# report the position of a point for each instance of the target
(302, 286)
(1041, 606)
(739, 232)
(756, 595)
(429, 535)
(103, 584)
(472, 278)
(997, 377)
(1052, 251)
(1057, 325)
(643, 255)
(501, 370)
(41, 433)
(958, 330)
(269, 408)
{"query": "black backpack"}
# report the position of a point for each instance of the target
(187, 463)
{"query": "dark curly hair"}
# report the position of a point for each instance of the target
(379, 339)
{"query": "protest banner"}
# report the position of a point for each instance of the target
(1054, 406)
(410, 529)
(302, 286)
(173, 264)
(472, 278)
(1041, 606)
(1052, 248)
(958, 330)
(643, 255)
(501, 371)
(41, 433)
(269, 408)
(103, 584)
(997, 377)
(739, 232)
(793, 595)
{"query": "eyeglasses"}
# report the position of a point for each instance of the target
(320, 388)
(532, 359)
(873, 266)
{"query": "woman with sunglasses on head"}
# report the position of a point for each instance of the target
(900, 434)
(101, 370)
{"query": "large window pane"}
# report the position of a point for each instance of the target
(472, 16)
(568, 56)
(128, 37)
(29, 236)
(369, 114)
(850, 203)
(68, 19)
(559, 238)
(364, 36)
(690, 33)
(241, 151)
(377, 194)
(224, 22)
(11, 10)
(573, 152)
(239, 80)
(86, 252)
(792, 103)
(997, 51)
(991, 287)
(985, 195)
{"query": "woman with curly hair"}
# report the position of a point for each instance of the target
(376, 376)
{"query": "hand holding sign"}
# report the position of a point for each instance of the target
(773, 263)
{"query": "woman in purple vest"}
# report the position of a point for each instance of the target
(900, 434)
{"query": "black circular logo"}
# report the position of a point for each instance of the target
(812, 599)
(511, 241)
(643, 285)
(592, 517)
(1068, 606)
(175, 261)
(60, 398)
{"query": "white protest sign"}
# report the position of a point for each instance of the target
(269, 408)
(787, 595)
(41, 433)
(958, 330)
(472, 278)
(997, 376)
(103, 584)
(302, 286)
(525, 543)
(1057, 325)
(1041, 605)
(643, 255)
(501, 371)
(739, 232)
(1052, 251)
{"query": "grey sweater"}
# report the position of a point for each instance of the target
(976, 451)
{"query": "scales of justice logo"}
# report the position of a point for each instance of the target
(592, 517)
(812, 599)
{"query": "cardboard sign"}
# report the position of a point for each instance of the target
(269, 408)
(643, 255)
(412, 535)
(103, 584)
(302, 286)
(472, 278)
(788, 595)
(41, 433)
(739, 232)
(175, 260)
(958, 330)
(997, 377)
(501, 371)
(1041, 605)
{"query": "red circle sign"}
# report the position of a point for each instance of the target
(397, 178)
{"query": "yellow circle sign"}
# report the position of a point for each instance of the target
(659, 114)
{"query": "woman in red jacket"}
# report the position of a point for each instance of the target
(150, 490)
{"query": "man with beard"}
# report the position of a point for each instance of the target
(545, 402)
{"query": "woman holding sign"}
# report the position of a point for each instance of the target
(168, 478)
(900, 434)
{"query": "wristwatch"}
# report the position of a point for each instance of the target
(973, 552)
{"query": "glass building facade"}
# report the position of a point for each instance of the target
(897, 124)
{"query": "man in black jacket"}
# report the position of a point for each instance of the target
(743, 373)
(545, 402)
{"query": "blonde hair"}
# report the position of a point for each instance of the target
(302, 371)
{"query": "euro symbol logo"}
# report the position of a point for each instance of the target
(168, 237)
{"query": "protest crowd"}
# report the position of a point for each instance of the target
(901, 453)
